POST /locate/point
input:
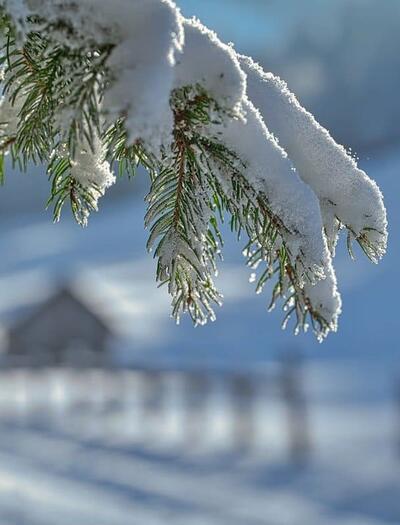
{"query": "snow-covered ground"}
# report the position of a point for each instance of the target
(101, 469)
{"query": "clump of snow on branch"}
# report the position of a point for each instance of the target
(212, 64)
(90, 168)
(142, 65)
(9, 113)
(8, 117)
(325, 299)
(309, 182)
(267, 167)
(269, 170)
(271, 173)
(347, 196)
(145, 36)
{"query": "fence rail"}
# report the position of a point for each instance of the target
(147, 403)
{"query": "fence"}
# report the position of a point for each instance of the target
(185, 406)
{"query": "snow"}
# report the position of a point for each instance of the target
(325, 298)
(90, 169)
(143, 66)
(9, 116)
(145, 36)
(345, 192)
(271, 173)
(9, 111)
(71, 467)
(212, 64)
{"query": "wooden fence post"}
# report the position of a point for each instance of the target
(243, 391)
(196, 390)
(152, 399)
(299, 435)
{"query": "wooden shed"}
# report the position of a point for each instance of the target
(63, 330)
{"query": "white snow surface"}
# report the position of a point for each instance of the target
(270, 171)
(343, 189)
(91, 169)
(8, 116)
(143, 66)
(211, 63)
(98, 466)
(9, 111)
(146, 35)
(87, 168)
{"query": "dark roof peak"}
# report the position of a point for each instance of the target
(64, 292)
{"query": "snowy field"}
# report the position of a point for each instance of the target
(102, 467)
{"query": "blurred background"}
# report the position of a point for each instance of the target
(112, 415)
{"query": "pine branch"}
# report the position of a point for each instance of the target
(250, 213)
(64, 187)
(55, 78)
(175, 208)
(186, 200)
(61, 90)
(180, 210)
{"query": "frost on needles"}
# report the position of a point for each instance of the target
(94, 86)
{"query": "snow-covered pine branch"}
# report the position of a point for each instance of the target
(94, 85)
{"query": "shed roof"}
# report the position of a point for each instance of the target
(63, 292)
